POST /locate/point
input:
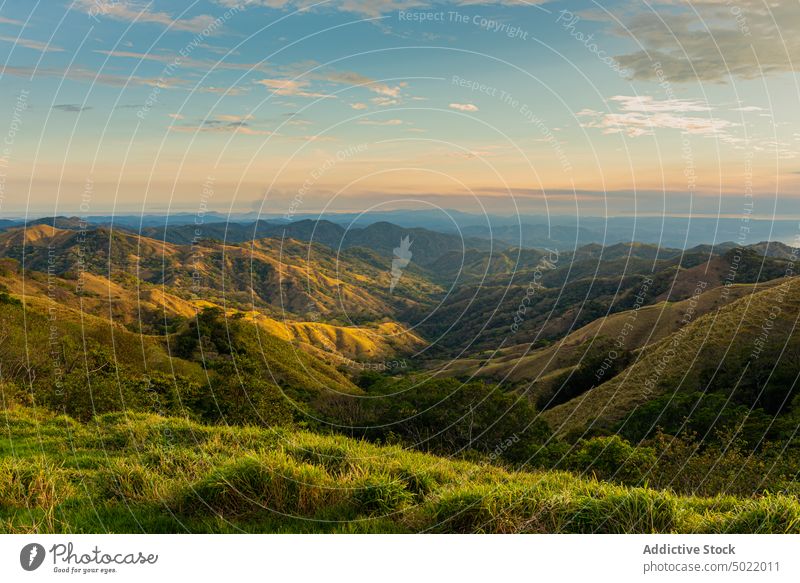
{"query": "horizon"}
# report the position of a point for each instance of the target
(661, 232)
(319, 212)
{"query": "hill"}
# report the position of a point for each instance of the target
(134, 473)
(284, 277)
(744, 354)
(380, 237)
(635, 329)
(551, 295)
(64, 358)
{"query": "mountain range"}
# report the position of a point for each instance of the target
(460, 347)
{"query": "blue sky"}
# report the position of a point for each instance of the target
(561, 107)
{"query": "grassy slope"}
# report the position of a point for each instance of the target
(26, 334)
(143, 473)
(278, 276)
(577, 292)
(649, 324)
(152, 303)
(670, 364)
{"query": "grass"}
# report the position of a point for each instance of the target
(143, 473)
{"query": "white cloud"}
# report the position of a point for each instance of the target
(221, 124)
(128, 11)
(80, 74)
(384, 101)
(223, 90)
(642, 115)
(388, 122)
(291, 87)
(31, 44)
(359, 106)
(463, 106)
(370, 8)
(386, 90)
(646, 104)
(233, 118)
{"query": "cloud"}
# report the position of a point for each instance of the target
(646, 104)
(471, 154)
(31, 44)
(384, 101)
(11, 21)
(217, 50)
(128, 11)
(463, 106)
(175, 115)
(388, 122)
(710, 42)
(71, 107)
(79, 74)
(370, 8)
(311, 71)
(175, 59)
(386, 90)
(290, 87)
(233, 118)
(344, 77)
(359, 106)
(222, 124)
(642, 115)
(223, 90)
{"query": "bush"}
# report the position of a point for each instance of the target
(448, 416)
(612, 458)
(379, 494)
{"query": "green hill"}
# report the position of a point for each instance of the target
(547, 299)
(745, 352)
(133, 473)
(634, 329)
(69, 360)
(284, 277)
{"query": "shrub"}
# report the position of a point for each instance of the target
(380, 494)
(612, 458)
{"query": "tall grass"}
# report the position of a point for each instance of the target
(144, 473)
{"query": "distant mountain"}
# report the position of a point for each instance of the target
(427, 246)
(537, 235)
(568, 232)
(564, 233)
(775, 249)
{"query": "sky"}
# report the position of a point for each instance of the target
(285, 107)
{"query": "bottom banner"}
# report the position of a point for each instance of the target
(356, 558)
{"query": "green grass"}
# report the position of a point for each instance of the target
(144, 473)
